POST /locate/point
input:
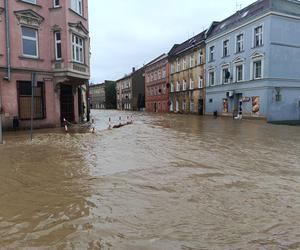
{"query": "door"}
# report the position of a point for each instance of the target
(200, 107)
(66, 103)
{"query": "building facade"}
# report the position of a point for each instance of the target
(187, 76)
(97, 96)
(157, 86)
(253, 60)
(51, 39)
(131, 91)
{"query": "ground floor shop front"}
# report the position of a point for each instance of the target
(272, 100)
(53, 100)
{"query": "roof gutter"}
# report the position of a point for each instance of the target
(8, 55)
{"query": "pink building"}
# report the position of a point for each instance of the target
(50, 38)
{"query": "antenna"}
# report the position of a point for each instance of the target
(238, 6)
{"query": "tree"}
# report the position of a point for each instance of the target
(110, 95)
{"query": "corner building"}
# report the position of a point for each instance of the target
(51, 39)
(253, 60)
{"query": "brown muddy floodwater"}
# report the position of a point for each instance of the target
(165, 182)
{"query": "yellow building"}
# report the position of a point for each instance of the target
(187, 81)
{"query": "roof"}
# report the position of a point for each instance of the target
(129, 75)
(157, 59)
(256, 9)
(188, 44)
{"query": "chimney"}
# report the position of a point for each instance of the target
(133, 69)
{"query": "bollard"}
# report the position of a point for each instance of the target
(109, 123)
(65, 124)
(93, 126)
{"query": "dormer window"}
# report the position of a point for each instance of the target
(56, 3)
(76, 5)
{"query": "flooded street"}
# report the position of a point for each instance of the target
(164, 182)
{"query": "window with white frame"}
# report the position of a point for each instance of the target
(77, 49)
(257, 69)
(178, 65)
(192, 61)
(239, 72)
(56, 3)
(239, 43)
(258, 36)
(30, 42)
(172, 87)
(183, 63)
(225, 48)
(177, 86)
(183, 105)
(76, 5)
(225, 75)
(164, 73)
(184, 85)
(200, 82)
(29, 1)
(200, 57)
(57, 38)
(191, 83)
(172, 68)
(211, 53)
(211, 77)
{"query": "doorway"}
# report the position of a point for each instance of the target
(201, 107)
(66, 103)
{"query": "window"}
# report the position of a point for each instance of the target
(191, 105)
(257, 69)
(211, 53)
(172, 87)
(178, 65)
(24, 100)
(200, 57)
(172, 68)
(184, 85)
(77, 47)
(177, 86)
(192, 61)
(76, 5)
(191, 83)
(183, 105)
(30, 42)
(56, 3)
(211, 77)
(183, 63)
(258, 36)
(30, 1)
(200, 82)
(239, 43)
(57, 37)
(225, 75)
(164, 73)
(225, 48)
(239, 70)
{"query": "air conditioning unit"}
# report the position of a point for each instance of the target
(229, 94)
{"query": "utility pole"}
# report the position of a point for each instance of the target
(1, 136)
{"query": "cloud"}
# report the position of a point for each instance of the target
(126, 34)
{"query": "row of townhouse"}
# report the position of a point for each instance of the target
(103, 95)
(51, 40)
(246, 64)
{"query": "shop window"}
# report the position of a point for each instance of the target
(24, 100)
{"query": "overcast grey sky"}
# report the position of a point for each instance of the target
(130, 33)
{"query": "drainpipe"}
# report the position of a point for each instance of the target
(8, 62)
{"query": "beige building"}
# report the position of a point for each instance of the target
(187, 81)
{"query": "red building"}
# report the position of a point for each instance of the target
(157, 87)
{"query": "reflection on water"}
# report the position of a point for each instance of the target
(165, 182)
